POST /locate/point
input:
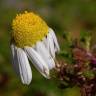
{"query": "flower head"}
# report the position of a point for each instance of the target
(32, 38)
(28, 28)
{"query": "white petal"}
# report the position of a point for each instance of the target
(38, 62)
(12, 49)
(45, 42)
(24, 67)
(41, 49)
(49, 44)
(57, 48)
(14, 59)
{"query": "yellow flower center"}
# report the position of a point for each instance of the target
(28, 28)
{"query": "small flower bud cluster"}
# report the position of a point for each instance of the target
(81, 73)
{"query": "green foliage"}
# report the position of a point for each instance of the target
(74, 91)
(89, 74)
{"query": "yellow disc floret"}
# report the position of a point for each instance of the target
(28, 28)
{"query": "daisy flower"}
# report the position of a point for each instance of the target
(32, 39)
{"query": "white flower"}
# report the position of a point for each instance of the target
(41, 53)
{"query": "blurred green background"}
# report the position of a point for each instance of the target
(62, 15)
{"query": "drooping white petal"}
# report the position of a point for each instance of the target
(24, 67)
(14, 59)
(38, 62)
(49, 44)
(41, 49)
(57, 48)
(45, 42)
